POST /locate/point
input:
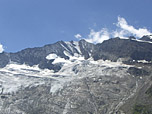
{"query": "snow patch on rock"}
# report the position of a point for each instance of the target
(51, 56)
(144, 61)
(15, 76)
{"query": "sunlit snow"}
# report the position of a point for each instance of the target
(51, 56)
(15, 76)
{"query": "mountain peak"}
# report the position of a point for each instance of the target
(132, 37)
(66, 73)
(112, 49)
(146, 38)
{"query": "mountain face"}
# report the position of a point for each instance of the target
(37, 56)
(113, 49)
(113, 77)
(147, 38)
(123, 48)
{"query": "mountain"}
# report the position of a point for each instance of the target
(117, 48)
(113, 49)
(113, 77)
(147, 38)
(37, 56)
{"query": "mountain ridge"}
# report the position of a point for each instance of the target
(112, 49)
(78, 78)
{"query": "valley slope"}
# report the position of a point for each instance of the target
(78, 78)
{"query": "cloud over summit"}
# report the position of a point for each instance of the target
(77, 36)
(123, 29)
(122, 23)
(99, 36)
(1, 48)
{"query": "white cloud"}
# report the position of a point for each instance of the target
(119, 33)
(123, 30)
(99, 36)
(1, 48)
(122, 23)
(78, 36)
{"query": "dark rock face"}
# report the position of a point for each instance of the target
(4, 59)
(28, 56)
(85, 87)
(86, 48)
(37, 56)
(116, 48)
(112, 49)
(149, 91)
(34, 56)
(132, 37)
(137, 72)
(48, 64)
(146, 38)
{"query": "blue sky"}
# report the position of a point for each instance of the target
(34, 23)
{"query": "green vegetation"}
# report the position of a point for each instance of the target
(141, 109)
(149, 91)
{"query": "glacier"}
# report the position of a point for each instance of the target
(74, 77)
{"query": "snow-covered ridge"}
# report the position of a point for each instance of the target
(142, 41)
(149, 36)
(138, 40)
(72, 51)
(144, 61)
(79, 77)
(74, 46)
(72, 58)
(14, 76)
(51, 56)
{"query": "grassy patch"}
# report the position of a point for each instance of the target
(141, 109)
(149, 91)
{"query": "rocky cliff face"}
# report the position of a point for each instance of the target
(113, 49)
(116, 48)
(78, 78)
(37, 56)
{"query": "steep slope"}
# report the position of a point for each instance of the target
(141, 102)
(114, 49)
(129, 49)
(77, 78)
(37, 56)
(99, 89)
(147, 38)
